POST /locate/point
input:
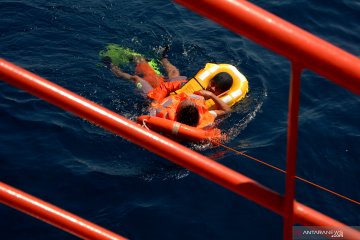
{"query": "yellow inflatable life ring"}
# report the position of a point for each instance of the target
(201, 80)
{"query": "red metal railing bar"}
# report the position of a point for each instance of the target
(297, 45)
(291, 155)
(54, 215)
(282, 37)
(162, 146)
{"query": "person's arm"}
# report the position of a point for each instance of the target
(119, 73)
(221, 107)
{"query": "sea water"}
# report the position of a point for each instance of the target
(101, 177)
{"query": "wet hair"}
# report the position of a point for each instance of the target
(223, 81)
(187, 113)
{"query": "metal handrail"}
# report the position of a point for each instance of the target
(160, 145)
(53, 215)
(303, 49)
(347, 67)
(283, 38)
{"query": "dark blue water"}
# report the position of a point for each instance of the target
(116, 184)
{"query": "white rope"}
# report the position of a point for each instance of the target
(144, 124)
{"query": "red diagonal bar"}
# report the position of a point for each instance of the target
(162, 146)
(53, 215)
(282, 37)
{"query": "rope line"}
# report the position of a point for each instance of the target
(283, 171)
(144, 124)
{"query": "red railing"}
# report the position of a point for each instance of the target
(53, 215)
(253, 22)
(283, 38)
(302, 48)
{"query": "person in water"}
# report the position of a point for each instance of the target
(189, 109)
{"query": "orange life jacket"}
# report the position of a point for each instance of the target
(167, 108)
(163, 90)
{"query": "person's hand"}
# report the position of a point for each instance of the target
(164, 51)
(206, 94)
(106, 61)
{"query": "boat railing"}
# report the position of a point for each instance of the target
(302, 48)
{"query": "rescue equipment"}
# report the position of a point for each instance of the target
(202, 79)
(178, 130)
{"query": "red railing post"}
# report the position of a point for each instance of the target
(291, 155)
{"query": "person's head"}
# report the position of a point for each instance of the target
(187, 113)
(220, 83)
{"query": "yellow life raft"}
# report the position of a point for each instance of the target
(202, 79)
